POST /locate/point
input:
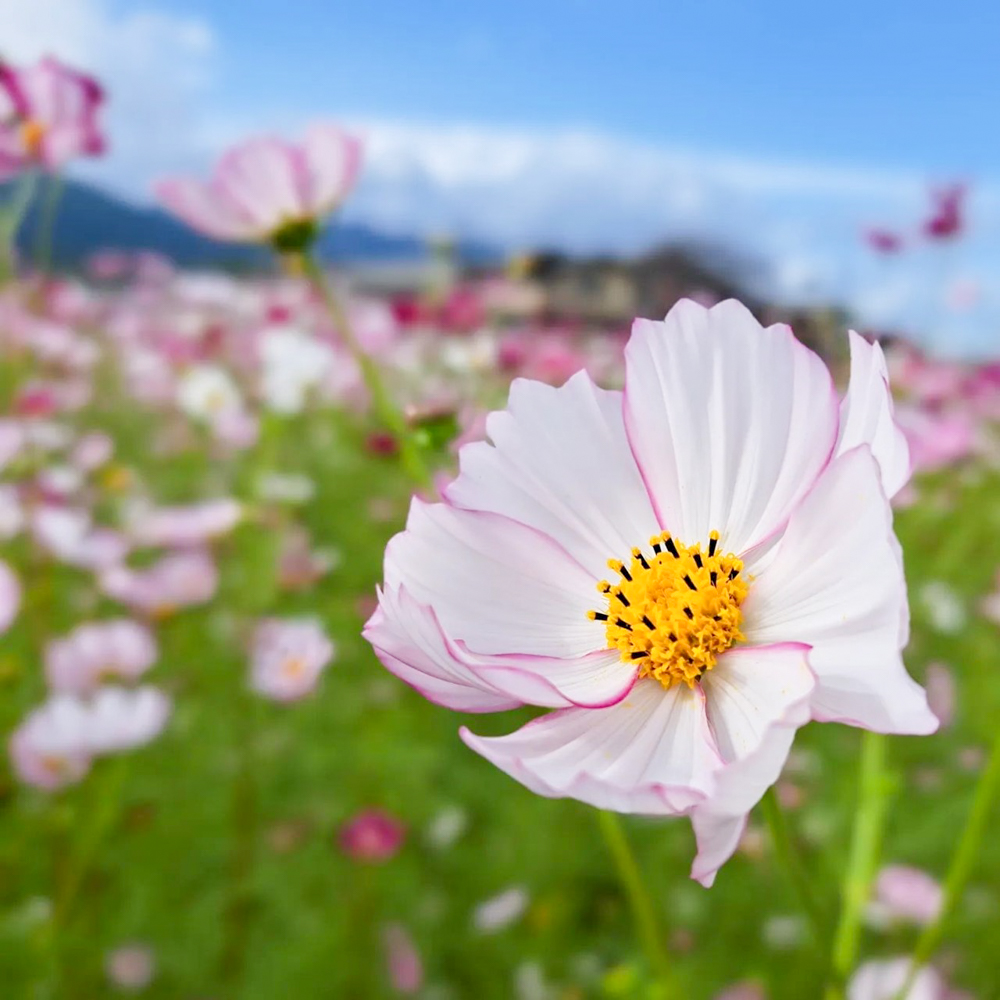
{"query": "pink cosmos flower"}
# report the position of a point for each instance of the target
(269, 191)
(762, 586)
(49, 115)
(288, 656)
(743, 991)
(941, 693)
(883, 241)
(131, 966)
(883, 979)
(186, 525)
(406, 969)
(98, 651)
(10, 597)
(372, 836)
(69, 535)
(947, 219)
(905, 893)
(56, 743)
(177, 580)
(937, 439)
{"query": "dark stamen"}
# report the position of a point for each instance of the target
(642, 559)
(647, 622)
(712, 544)
(714, 577)
(600, 616)
(625, 573)
(689, 612)
(689, 582)
(671, 637)
(697, 560)
(671, 548)
(733, 573)
(639, 654)
(656, 548)
(621, 623)
(716, 618)
(621, 597)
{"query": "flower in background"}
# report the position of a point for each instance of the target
(208, 394)
(269, 191)
(186, 525)
(56, 743)
(941, 694)
(405, 967)
(69, 535)
(500, 911)
(761, 584)
(372, 836)
(294, 363)
(904, 893)
(130, 967)
(883, 241)
(177, 580)
(117, 649)
(288, 656)
(947, 218)
(10, 596)
(48, 116)
(883, 979)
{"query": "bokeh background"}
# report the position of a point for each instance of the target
(534, 175)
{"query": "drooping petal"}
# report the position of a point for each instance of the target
(835, 581)
(866, 415)
(496, 585)
(730, 423)
(652, 753)
(560, 462)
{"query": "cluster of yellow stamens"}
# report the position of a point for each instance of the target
(675, 610)
(32, 136)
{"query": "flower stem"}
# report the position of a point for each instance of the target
(643, 910)
(777, 823)
(11, 217)
(47, 223)
(866, 844)
(413, 460)
(962, 863)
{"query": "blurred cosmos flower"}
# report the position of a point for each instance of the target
(500, 911)
(10, 596)
(763, 583)
(904, 893)
(269, 191)
(883, 241)
(939, 681)
(883, 979)
(55, 744)
(130, 967)
(293, 364)
(288, 656)
(95, 652)
(743, 991)
(405, 967)
(48, 116)
(947, 219)
(186, 525)
(176, 580)
(372, 836)
(208, 393)
(69, 535)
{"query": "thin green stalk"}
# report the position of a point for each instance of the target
(962, 864)
(786, 851)
(412, 457)
(47, 223)
(643, 910)
(11, 217)
(862, 863)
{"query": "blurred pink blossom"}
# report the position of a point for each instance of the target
(10, 597)
(883, 241)
(406, 970)
(940, 685)
(187, 525)
(947, 217)
(907, 894)
(288, 656)
(49, 115)
(742, 991)
(883, 979)
(372, 836)
(267, 190)
(130, 967)
(176, 580)
(98, 651)
(936, 439)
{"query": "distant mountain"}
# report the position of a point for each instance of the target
(89, 220)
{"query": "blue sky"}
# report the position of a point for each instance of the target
(779, 130)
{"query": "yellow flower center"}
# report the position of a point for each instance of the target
(32, 134)
(676, 610)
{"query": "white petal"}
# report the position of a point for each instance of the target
(560, 462)
(652, 753)
(835, 581)
(729, 422)
(866, 415)
(10, 596)
(495, 585)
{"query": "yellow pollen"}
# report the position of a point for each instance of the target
(675, 610)
(293, 668)
(32, 134)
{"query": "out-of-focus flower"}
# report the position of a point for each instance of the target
(288, 656)
(177, 580)
(405, 967)
(48, 116)
(294, 363)
(447, 826)
(130, 967)
(99, 651)
(777, 596)
(10, 597)
(947, 217)
(883, 241)
(269, 191)
(500, 911)
(282, 487)
(907, 894)
(92, 451)
(186, 525)
(299, 565)
(70, 536)
(882, 980)
(936, 439)
(943, 606)
(207, 393)
(743, 991)
(940, 684)
(123, 719)
(372, 836)
(989, 606)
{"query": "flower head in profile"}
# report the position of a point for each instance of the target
(288, 657)
(95, 652)
(48, 116)
(266, 190)
(687, 571)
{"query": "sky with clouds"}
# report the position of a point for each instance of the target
(775, 128)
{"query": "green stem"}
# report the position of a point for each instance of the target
(786, 851)
(643, 910)
(962, 864)
(866, 844)
(10, 222)
(412, 457)
(47, 223)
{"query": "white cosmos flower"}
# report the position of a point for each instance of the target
(294, 363)
(762, 584)
(207, 393)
